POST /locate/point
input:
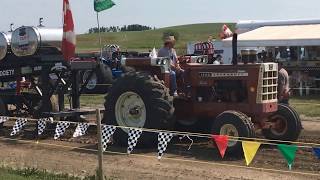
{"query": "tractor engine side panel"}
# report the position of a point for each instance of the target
(214, 89)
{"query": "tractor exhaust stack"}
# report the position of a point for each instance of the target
(235, 49)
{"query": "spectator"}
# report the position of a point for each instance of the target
(283, 85)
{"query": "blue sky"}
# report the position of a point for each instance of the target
(158, 13)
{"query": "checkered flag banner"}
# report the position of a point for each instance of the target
(81, 129)
(20, 122)
(61, 128)
(41, 125)
(3, 119)
(134, 135)
(163, 140)
(107, 131)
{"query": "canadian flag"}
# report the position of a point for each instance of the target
(225, 32)
(69, 37)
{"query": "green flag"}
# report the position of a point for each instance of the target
(288, 152)
(100, 5)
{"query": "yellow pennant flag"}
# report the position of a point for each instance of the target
(250, 149)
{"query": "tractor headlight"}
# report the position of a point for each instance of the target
(161, 62)
(158, 61)
(164, 61)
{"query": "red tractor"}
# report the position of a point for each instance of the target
(239, 99)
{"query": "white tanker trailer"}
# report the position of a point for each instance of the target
(5, 39)
(28, 40)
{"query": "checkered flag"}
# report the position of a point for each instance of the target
(20, 122)
(107, 131)
(134, 135)
(3, 119)
(81, 129)
(163, 140)
(41, 125)
(61, 128)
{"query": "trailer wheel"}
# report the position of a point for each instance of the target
(287, 124)
(53, 106)
(236, 124)
(138, 100)
(100, 80)
(3, 110)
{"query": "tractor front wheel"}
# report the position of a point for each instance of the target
(234, 124)
(286, 124)
(138, 100)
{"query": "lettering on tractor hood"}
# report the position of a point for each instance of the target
(8, 72)
(222, 74)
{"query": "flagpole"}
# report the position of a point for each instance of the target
(100, 40)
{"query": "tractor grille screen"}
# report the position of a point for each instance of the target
(268, 83)
(269, 86)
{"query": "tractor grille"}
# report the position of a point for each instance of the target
(268, 82)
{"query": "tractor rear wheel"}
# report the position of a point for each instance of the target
(235, 124)
(138, 100)
(287, 124)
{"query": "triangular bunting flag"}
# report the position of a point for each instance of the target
(317, 152)
(288, 152)
(81, 129)
(134, 135)
(61, 128)
(20, 122)
(41, 125)
(163, 140)
(3, 119)
(222, 143)
(250, 149)
(107, 132)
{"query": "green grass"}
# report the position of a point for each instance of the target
(33, 174)
(308, 106)
(145, 40)
(92, 100)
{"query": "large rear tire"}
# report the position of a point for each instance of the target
(138, 100)
(236, 124)
(287, 124)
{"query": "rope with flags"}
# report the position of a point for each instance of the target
(250, 147)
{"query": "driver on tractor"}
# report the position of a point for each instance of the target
(168, 51)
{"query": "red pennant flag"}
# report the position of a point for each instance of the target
(69, 37)
(222, 143)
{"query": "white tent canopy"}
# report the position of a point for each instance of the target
(268, 36)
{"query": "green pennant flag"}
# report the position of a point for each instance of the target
(100, 5)
(288, 152)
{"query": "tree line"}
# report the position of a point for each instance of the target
(132, 27)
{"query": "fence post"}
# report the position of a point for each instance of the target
(100, 150)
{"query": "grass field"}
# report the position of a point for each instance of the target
(145, 40)
(33, 174)
(307, 106)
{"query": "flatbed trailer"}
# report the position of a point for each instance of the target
(27, 84)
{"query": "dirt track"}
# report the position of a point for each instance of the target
(83, 162)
